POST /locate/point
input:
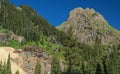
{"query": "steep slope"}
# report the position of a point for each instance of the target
(26, 22)
(86, 24)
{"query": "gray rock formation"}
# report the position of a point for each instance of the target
(29, 56)
(3, 37)
(87, 24)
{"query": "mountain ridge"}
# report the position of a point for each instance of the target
(87, 22)
(26, 21)
(41, 48)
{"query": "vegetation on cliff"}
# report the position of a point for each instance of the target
(88, 46)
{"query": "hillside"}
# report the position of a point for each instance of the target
(22, 27)
(84, 44)
(87, 24)
(24, 21)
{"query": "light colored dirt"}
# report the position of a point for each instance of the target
(4, 52)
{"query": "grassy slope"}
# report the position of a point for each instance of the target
(47, 46)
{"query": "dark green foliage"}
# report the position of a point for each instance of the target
(37, 67)
(2, 68)
(79, 58)
(98, 69)
(69, 41)
(6, 67)
(94, 59)
(55, 69)
(25, 21)
(113, 61)
(72, 53)
(9, 65)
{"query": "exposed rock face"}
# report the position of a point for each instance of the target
(3, 37)
(4, 52)
(87, 24)
(10, 36)
(25, 61)
(20, 39)
(29, 61)
(29, 56)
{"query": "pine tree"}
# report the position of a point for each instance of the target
(98, 55)
(8, 70)
(72, 53)
(55, 69)
(37, 67)
(112, 63)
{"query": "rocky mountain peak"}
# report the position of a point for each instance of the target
(87, 24)
(85, 15)
(80, 11)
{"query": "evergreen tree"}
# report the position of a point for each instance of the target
(6, 67)
(98, 55)
(112, 62)
(55, 69)
(37, 67)
(8, 70)
(72, 53)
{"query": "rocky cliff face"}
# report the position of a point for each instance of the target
(4, 52)
(25, 61)
(87, 24)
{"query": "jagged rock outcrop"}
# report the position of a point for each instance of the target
(87, 24)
